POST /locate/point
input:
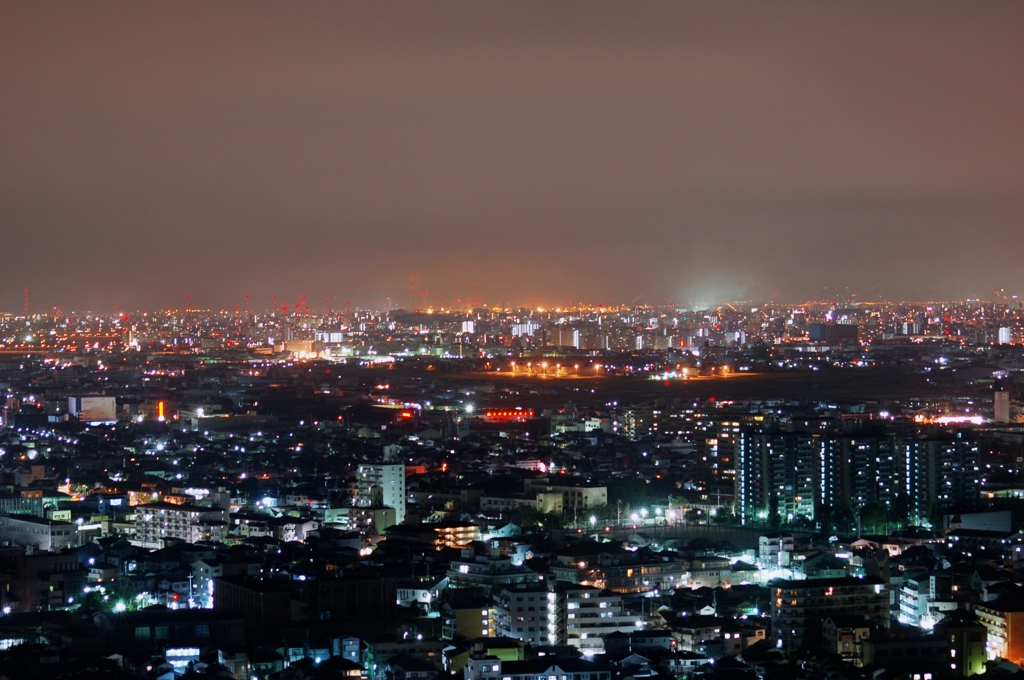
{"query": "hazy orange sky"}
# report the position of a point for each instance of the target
(607, 152)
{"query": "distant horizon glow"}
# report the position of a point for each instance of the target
(119, 315)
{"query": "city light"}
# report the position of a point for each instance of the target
(527, 432)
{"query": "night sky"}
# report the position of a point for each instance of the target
(531, 153)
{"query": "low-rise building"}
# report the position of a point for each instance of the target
(692, 631)
(481, 652)
(157, 522)
(843, 635)
(709, 572)
(487, 571)
(1004, 622)
(922, 654)
(425, 593)
(799, 607)
(378, 651)
(441, 535)
(469, 620)
(539, 669)
(644, 575)
(922, 594)
(39, 582)
(773, 550)
(366, 520)
(40, 534)
(161, 630)
(23, 505)
(580, 496)
(522, 613)
(582, 616)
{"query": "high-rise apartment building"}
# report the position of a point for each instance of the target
(563, 336)
(527, 328)
(858, 469)
(942, 474)
(382, 485)
(780, 470)
(814, 471)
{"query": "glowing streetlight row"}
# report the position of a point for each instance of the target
(558, 368)
(641, 515)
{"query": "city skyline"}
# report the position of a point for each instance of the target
(685, 153)
(412, 300)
